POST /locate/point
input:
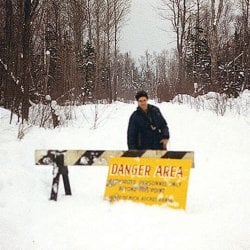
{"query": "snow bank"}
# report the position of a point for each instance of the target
(218, 205)
(218, 103)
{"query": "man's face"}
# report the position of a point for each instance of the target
(143, 103)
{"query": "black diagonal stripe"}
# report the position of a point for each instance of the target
(47, 159)
(133, 153)
(50, 156)
(175, 154)
(88, 157)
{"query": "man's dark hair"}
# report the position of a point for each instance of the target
(140, 94)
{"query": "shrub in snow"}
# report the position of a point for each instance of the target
(50, 115)
(218, 103)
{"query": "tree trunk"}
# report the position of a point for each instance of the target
(26, 59)
(97, 47)
(115, 59)
(215, 18)
(8, 94)
(246, 45)
(109, 83)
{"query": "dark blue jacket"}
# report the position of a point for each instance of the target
(146, 130)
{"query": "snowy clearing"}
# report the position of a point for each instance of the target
(218, 205)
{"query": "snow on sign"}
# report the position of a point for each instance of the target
(151, 181)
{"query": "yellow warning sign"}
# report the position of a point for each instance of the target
(151, 181)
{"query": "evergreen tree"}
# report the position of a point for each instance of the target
(88, 87)
(197, 61)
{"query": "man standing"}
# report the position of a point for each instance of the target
(147, 127)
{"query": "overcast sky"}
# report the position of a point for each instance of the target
(144, 30)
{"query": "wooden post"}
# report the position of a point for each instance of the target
(59, 169)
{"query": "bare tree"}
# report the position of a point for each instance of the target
(215, 19)
(178, 12)
(121, 9)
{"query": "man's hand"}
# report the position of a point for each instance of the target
(164, 143)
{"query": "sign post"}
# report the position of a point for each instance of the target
(151, 181)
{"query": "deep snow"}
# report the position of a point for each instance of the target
(218, 205)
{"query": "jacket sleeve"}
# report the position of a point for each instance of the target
(163, 126)
(132, 133)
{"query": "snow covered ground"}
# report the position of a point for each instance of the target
(218, 205)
